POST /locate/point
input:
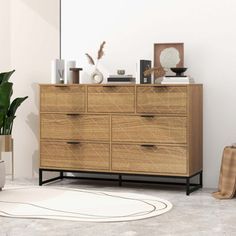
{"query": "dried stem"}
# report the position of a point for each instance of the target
(100, 51)
(90, 59)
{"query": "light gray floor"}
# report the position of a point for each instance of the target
(197, 214)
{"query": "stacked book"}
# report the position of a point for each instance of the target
(177, 80)
(126, 79)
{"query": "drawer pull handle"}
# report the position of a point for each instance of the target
(61, 86)
(162, 86)
(72, 114)
(73, 142)
(108, 86)
(148, 116)
(148, 145)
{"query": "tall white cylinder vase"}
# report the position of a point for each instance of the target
(68, 73)
(57, 71)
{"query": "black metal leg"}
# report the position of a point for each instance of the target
(41, 181)
(190, 187)
(193, 187)
(120, 180)
(187, 185)
(200, 179)
(40, 177)
(61, 175)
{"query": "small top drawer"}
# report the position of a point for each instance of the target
(111, 98)
(162, 99)
(58, 98)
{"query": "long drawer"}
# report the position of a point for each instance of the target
(75, 156)
(60, 98)
(71, 126)
(162, 99)
(152, 159)
(149, 129)
(111, 99)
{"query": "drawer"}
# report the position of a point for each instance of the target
(149, 129)
(162, 99)
(156, 159)
(62, 98)
(75, 156)
(82, 127)
(111, 99)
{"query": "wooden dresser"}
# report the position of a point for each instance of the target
(122, 129)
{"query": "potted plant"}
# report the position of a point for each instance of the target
(7, 111)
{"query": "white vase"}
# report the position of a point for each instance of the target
(96, 76)
(68, 72)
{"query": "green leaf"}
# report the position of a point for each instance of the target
(7, 109)
(8, 124)
(2, 115)
(5, 96)
(14, 106)
(5, 76)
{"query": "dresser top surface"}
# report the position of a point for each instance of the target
(125, 85)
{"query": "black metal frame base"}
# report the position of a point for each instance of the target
(190, 187)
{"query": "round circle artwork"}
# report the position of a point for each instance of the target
(79, 204)
(169, 57)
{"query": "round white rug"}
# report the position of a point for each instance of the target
(78, 204)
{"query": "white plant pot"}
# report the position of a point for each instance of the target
(6, 145)
(2, 174)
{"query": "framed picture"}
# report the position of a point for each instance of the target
(168, 55)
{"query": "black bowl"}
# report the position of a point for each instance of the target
(178, 70)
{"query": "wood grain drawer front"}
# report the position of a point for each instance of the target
(111, 99)
(161, 99)
(157, 159)
(149, 129)
(63, 99)
(75, 156)
(82, 127)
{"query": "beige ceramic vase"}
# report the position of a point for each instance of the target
(96, 77)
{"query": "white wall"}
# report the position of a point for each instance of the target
(131, 27)
(4, 35)
(34, 42)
